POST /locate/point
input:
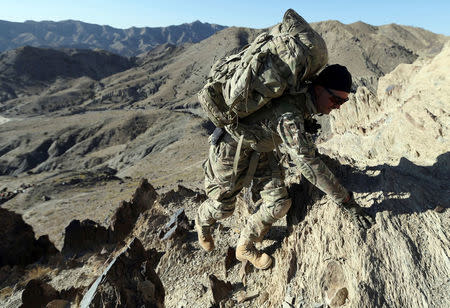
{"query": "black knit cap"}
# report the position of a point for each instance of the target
(335, 77)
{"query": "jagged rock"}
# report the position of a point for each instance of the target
(37, 294)
(408, 120)
(128, 212)
(179, 194)
(177, 226)
(230, 259)
(220, 289)
(128, 281)
(18, 245)
(81, 237)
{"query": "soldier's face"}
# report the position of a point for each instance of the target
(329, 99)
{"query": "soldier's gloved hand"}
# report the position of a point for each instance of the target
(357, 213)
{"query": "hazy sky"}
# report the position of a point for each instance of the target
(433, 15)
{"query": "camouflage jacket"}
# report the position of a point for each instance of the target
(282, 121)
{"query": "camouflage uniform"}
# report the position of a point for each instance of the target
(280, 121)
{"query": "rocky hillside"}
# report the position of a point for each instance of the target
(75, 142)
(29, 71)
(415, 95)
(322, 259)
(77, 34)
(392, 151)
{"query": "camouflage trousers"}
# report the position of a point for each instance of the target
(222, 188)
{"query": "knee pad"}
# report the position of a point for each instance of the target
(274, 194)
(223, 209)
(281, 208)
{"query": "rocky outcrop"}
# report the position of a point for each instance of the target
(128, 212)
(89, 236)
(180, 193)
(409, 118)
(392, 152)
(19, 245)
(220, 290)
(128, 281)
(84, 236)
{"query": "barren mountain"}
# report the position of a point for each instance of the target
(64, 83)
(74, 142)
(29, 74)
(77, 34)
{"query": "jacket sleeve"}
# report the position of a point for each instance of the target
(303, 153)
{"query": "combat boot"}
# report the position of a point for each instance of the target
(205, 238)
(247, 251)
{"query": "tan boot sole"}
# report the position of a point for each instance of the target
(264, 267)
(206, 248)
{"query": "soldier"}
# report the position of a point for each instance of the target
(276, 110)
(285, 117)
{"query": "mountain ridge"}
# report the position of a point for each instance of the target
(77, 34)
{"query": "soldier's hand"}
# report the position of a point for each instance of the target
(357, 213)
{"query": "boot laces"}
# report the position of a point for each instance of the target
(251, 250)
(205, 231)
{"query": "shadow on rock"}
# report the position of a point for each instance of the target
(406, 188)
(38, 293)
(18, 245)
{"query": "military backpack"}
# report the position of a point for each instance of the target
(276, 62)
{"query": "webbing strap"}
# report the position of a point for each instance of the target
(237, 156)
(254, 159)
(273, 164)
